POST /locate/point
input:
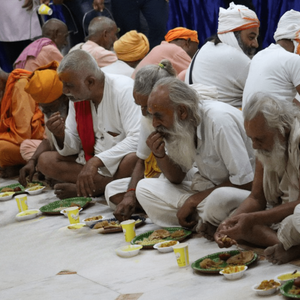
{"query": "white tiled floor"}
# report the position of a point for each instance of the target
(32, 252)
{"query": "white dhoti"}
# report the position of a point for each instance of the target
(161, 200)
(289, 230)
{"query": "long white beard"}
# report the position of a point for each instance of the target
(276, 159)
(180, 143)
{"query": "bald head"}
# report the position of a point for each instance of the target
(103, 31)
(57, 31)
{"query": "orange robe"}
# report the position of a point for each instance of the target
(20, 119)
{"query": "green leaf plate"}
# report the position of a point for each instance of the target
(286, 287)
(55, 207)
(215, 258)
(12, 186)
(170, 229)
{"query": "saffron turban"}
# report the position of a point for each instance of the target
(236, 18)
(288, 26)
(182, 33)
(44, 85)
(132, 46)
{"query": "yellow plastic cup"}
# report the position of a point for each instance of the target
(128, 227)
(182, 254)
(45, 10)
(22, 202)
(73, 214)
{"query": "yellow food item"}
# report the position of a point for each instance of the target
(208, 263)
(94, 218)
(35, 188)
(268, 284)
(177, 233)
(31, 184)
(288, 276)
(147, 242)
(168, 244)
(7, 190)
(5, 195)
(294, 290)
(75, 226)
(27, 213)
(233, 269)
(106, 224)
(130, 248)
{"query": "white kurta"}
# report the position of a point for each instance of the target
(118, 67)
(222, 66)
(274, 72)
(117, 113)
(224, 152)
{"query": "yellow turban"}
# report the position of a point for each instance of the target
(182, 33)
(131, 46)
(44, 85)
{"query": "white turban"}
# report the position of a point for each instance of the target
(289, 28)
(235, 18)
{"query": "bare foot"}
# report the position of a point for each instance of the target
(10, 171)
(277, 255)
(208, 231)
(65, 190)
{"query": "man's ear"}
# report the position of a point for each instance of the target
(90, 82)
(182, 112)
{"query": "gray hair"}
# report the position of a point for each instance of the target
(279, 114)
(99, 24)
(51, 26)
(181, 94)
(79, 61)
(147, 76)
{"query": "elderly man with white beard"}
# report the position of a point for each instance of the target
(265, 216)
(209, 134)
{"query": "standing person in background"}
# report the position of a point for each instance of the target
(127, 16)
(21, 27)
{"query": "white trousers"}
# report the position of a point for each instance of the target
(161, 200)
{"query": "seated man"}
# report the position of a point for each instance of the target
(131, 48)
(188, 131)
(263, 217)
(225, 61)
(97, 144)
(99, 43)
(179, 47)
(46, 49)
(120, 194)
(20, 119)
(275, 71)
(46, 89)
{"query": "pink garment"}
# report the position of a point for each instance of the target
(175, 54)
(28, 147)
(47, 54)
(32, 50)
(102, 56)
(181, 75)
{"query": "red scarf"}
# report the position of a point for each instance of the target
(85, 127)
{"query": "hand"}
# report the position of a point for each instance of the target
(85, 185)
(186, 214)
(98, 5)
(27, 170)
(126, 207)
(156, 143)
(56, 125)
(28, 4)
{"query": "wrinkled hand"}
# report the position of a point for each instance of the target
(186, 215)
(98, 5)
(27, 170)
(156, 143)
(85, 185)
(126, 207)
(56, 125)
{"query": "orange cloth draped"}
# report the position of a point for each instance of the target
(21, 117)
(85, 127)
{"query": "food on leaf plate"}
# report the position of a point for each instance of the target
(268, 284)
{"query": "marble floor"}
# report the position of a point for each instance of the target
(34, 254)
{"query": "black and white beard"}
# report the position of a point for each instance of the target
(249, 51)
(275, 160)
(180, 143)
